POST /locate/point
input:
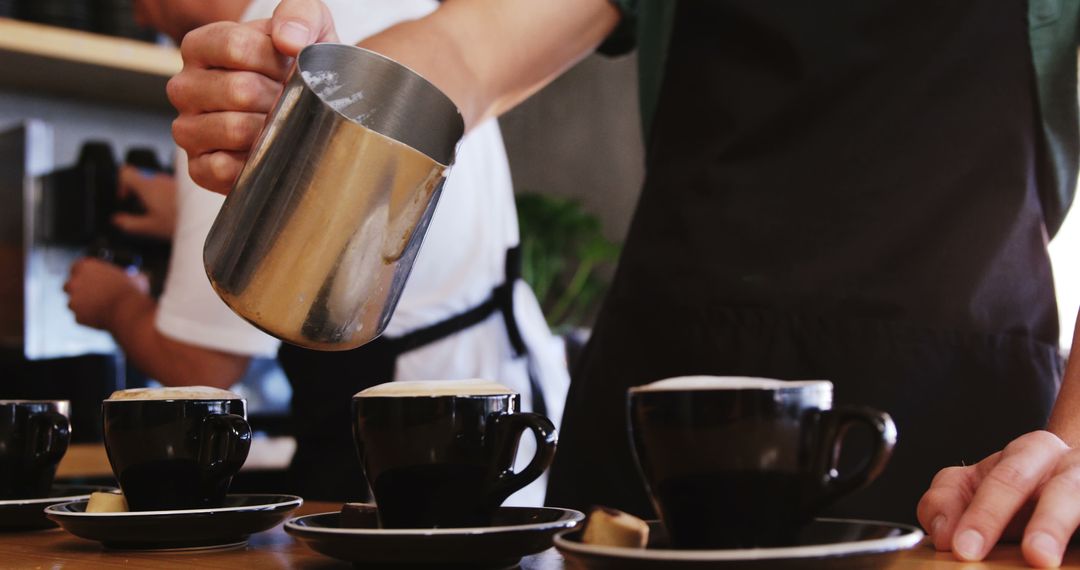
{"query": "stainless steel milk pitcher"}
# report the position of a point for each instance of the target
(315, 241)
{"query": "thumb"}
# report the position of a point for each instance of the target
(299, 23)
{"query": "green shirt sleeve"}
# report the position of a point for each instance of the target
(1054, 34)
(624, 38)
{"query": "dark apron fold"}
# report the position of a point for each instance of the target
(955, 397)
(843, 191)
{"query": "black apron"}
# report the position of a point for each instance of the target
(325, 466)
(835, 190)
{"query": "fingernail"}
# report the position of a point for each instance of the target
(969, 545)
(937, 525)
(1045, 545)
(295, 33)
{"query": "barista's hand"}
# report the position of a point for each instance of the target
(231, 78)
(157, 192)
(96, 288)
(1029, 490)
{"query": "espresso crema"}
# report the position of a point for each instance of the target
(687, 383)
(429, 388)
(175, 393)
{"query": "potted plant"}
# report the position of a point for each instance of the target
(565, 259)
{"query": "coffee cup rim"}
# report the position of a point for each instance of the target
(430, 396)
(706, 383)
(175, 394)
(143, 400)
(436, 389)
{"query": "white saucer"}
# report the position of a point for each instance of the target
(516, 532)
(227, 526)
(825, 543)
(28, 514)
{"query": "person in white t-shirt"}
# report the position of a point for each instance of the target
(191, 337)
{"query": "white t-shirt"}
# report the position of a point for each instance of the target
(461, 260)
(189, 310)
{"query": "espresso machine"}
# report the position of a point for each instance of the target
(79, 201)
(50, 216)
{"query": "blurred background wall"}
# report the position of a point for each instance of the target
(580, 138)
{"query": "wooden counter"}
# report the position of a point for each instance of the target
(89, 459)
(276, 549)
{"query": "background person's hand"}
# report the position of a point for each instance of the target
(157, 193)
(1029, 490)
(231, 78)
(95, 289)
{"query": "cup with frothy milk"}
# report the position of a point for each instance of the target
(175, 448)
(735, 462)
(440, 454)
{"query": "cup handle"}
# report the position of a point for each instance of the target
(50, 433)
(224, 442)
(507, 429)
(835, 424)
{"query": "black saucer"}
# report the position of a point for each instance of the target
(227, 526)
(29, 514)
(824, 543)
(517, 532)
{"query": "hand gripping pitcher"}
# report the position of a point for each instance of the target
(315, 241)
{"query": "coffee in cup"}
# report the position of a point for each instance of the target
(733, 462)
(34, 435)
(440, 454)
(175, 448)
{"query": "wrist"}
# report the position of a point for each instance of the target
(127, 304)
(1064, 420)
(1068, 431)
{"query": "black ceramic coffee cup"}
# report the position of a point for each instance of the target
(746, 462)
(175, 448)
(34, 435)
(441, 454)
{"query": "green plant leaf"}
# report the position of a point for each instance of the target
(563, 252)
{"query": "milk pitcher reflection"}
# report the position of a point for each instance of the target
(315, 241)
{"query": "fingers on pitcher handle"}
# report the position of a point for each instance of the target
(508, 429)
(50, 434)
(836, 423)
(224, 441)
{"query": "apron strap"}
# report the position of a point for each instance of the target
(502, 300)
(442, 329)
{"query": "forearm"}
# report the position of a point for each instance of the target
(168, 361)
(1065, 419)
(489, 55)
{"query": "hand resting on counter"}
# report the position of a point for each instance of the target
(1029, 491)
